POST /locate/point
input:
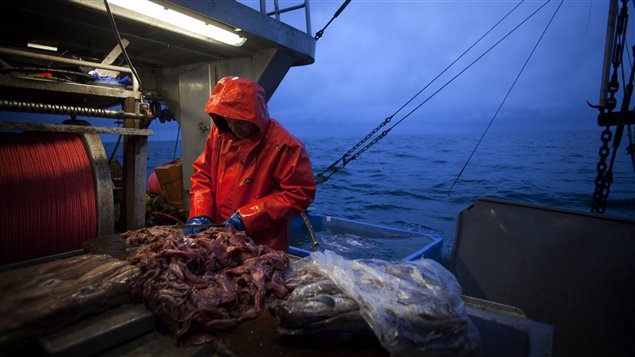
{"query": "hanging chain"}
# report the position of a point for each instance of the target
(603, 180)
(381, 125)
(604, 177)
(356, 155)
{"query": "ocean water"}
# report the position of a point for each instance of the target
(403, 181)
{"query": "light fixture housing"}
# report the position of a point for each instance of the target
(42, 46)
(170, 18)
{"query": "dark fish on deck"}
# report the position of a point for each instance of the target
(44, 297)
(312, 289)
(316, 306)
(411, 308)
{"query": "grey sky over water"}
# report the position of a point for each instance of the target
(377, 54)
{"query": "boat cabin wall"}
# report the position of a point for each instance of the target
(186, 90)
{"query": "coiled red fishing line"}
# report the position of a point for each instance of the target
(47, 195)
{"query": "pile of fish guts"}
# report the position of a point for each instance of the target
(412, 308)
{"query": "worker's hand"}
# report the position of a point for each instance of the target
(196, 221)
(235, 221)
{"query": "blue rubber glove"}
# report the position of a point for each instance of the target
(235, 221)
(194, 221)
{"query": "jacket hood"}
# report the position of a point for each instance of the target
(238, 98)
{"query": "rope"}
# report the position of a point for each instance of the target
(345, 159)
(48, 203)
(337, 13)
(505, 98)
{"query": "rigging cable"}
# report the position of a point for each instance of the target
(336, 166)
(113, 24)
(505, 98)
(337, 13)
(332, 167)
(111, 18)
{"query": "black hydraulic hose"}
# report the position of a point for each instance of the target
(337, 13)
(111, 18)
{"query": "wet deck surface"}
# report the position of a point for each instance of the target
(259, 336)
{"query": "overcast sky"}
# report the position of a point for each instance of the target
(377, 54)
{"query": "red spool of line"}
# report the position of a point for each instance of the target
(47, 195)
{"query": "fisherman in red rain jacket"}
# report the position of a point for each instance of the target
(253, 174)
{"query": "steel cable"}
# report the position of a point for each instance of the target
(522, 69)
(349, 156)
(115, 30)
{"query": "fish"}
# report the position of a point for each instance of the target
(60, 292)
(413, 307)
(313, 299)
(314, 288)
(408, 307)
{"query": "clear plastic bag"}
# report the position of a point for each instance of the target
(414, 308)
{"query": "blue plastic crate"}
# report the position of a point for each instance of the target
(354, 239)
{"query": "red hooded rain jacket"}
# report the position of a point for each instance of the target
(266, 177)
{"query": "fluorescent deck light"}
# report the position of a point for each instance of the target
(184, 23)
(41, 46)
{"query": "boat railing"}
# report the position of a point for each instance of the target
(277, 11)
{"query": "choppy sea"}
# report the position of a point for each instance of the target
(404, 181)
